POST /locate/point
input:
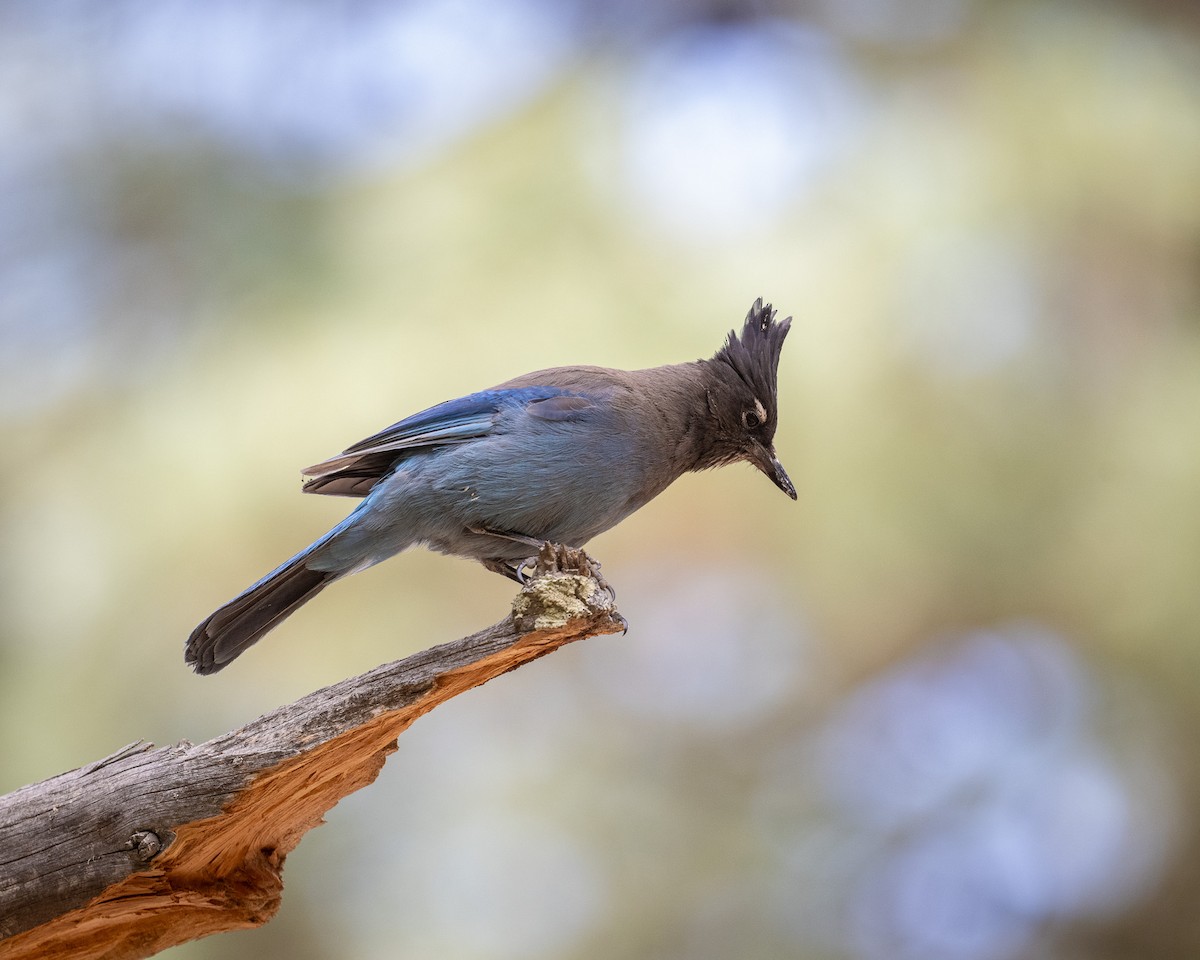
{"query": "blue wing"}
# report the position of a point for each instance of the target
(358, 468)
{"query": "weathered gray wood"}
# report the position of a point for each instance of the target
(151, 847)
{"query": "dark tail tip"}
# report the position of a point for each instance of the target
(227, 632)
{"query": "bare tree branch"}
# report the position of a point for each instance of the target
(149, 848)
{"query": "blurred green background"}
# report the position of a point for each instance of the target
(939, 709)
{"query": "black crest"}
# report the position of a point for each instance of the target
(754, 355)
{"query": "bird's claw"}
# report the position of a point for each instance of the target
(555, 558)
(523, 577)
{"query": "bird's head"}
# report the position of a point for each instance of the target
(742, 395)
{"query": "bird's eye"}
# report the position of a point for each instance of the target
(751, 420)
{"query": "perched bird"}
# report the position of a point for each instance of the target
(556, 456)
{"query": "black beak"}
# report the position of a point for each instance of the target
(764, 458)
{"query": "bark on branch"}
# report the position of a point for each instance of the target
(149, 848)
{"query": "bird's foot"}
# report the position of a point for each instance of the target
(504, 568)
(558, 562)
(556, 558)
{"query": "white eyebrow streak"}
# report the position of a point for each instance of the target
(760, 410)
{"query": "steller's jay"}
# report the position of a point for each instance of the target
(555, 456)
